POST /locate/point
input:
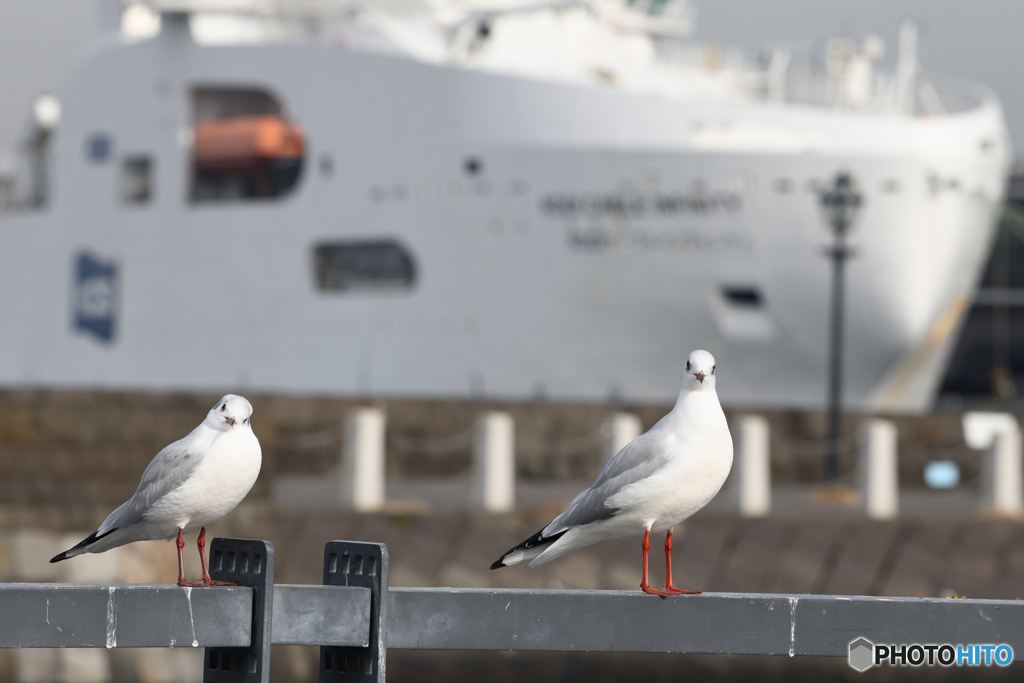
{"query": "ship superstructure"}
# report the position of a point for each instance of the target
(517, 202)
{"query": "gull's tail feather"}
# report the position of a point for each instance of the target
(527, 550)
(82, 547)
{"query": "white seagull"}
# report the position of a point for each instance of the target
(659, 479)
(189, 485)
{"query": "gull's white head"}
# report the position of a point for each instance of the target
(700, 372)
(231, 412)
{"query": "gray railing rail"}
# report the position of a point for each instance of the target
(356, 618)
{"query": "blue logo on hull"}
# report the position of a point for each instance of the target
(96, 297)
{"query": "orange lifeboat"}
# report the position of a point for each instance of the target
(246, 142)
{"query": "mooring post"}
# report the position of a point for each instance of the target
(1002, 472)
(619, 430)
(494, 463)
(247, 563)
(753, 466)
(347, 563)
(878, 469)
(363, 460)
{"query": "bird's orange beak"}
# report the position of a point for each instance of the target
(699, 376)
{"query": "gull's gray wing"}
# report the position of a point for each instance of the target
(639, 459)
(168, 470)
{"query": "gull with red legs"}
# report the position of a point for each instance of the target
(189, 485)
(655, 482)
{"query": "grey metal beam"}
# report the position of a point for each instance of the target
(614, 621)
(79, 615)
(138, 615)
(62, 615)
(321, 615)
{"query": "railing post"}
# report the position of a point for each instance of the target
(753, 466)
(619, 430)
(247, 563)
(363, 460)
(1002, 475)
(494, 468)
(348, 563)
(877, 468)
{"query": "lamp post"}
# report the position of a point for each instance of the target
(840, 201)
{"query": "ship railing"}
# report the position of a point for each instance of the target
(291, 9)
(778, 78)
(355, 618)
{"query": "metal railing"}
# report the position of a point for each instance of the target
(355, 618)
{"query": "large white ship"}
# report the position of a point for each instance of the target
(514, 202)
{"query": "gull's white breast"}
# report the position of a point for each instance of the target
(702, 453)
(218, 484)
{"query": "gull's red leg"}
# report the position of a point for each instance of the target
(644, 585)
(202, 560)
(668, 569)
(181, 563)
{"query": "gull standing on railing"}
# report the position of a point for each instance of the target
(659, 479)
(189, 485)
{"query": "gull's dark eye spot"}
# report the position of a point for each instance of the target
(712, 369)
(246, 420)
(687, 365)
(224, 407)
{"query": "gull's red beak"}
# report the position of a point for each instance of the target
(231, 420)
(699, 376)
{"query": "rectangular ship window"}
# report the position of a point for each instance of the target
(350, 266)
(742, 314)
(746, 297)
(136, 180)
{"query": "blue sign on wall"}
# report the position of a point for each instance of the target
(96, 296)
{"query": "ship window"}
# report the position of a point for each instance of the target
(743, 297)
(136, 180)
(742, 315)
(349, 266)
(244, 147)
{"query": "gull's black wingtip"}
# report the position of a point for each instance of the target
(531, 542)
(95, 536)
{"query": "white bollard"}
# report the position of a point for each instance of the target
(494, 466)
(1002, 475)
(362, 478)
(753, 466)
(877, 468)
(619, 430)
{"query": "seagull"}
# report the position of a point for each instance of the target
(655, 482)
(189, 485)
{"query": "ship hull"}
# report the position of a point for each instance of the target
(566, 242)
